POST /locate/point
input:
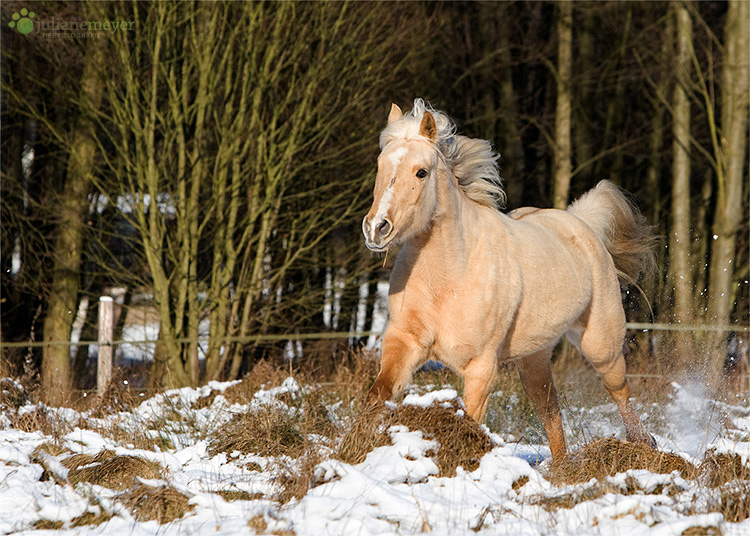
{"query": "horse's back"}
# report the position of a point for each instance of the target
(559, 232)
(565, 271)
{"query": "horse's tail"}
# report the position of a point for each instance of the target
(621, 227)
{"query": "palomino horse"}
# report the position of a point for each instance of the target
(473, 287)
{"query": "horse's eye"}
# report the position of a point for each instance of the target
(422, 173)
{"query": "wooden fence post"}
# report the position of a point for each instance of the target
(106, 330)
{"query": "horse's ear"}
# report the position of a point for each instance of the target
(427, 127)
(395, 114)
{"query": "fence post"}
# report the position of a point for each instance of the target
(106, 330)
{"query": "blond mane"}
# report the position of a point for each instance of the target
(472, 161)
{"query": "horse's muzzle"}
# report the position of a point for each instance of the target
(377, 234)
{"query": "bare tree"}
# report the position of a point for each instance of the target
(239, 160)
(729, 144)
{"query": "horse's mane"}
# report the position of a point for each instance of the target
(472, 161)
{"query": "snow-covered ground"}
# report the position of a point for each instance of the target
(395, 490)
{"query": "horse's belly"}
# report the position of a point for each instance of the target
(539, 328)
(530, 343)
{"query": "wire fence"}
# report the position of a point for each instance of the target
(106, 344)
(277, 337)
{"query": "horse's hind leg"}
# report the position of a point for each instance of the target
(602, 347)
(536, 377)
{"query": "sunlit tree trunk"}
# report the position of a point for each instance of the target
(561, 157)
(73, 205)
(680, 273)
(729, 213)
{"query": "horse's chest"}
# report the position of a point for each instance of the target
(465, 325)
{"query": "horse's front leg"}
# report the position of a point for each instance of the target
(479, 376)
(402, 354)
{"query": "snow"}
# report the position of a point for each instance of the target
(397, 489)
(440, 396)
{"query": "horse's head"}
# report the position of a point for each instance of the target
(405, 187)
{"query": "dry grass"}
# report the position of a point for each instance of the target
(84, 520)
(268, 432)
(462, 442)
(91, 519)
(296, 479)
(733, 501)
(162, 504)
(12, 395)
(263, 374)
(720, 468)
(110, 471)
(238, 495)
(117, 397)
(290, 433)
(607, 457)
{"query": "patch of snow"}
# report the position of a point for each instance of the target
(440, 397)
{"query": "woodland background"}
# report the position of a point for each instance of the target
(217, 160)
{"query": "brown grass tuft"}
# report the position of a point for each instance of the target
(238, 495)
(90, 518)
(701, 531)
(718, 469)
(462, 441)
(566, 501)
(40, 420)
(110, 471)
(607, 457)
(77, 461)
(53, 449)
(367, 433)
(117, 397)
(162, 503)
(263, 373)
(733, 501)
(46, 524)
(258, 524)
(298, 478)
(267, 432)
(12, 395)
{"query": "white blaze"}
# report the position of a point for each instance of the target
(385, 200)
(384, 204)
(396, 156)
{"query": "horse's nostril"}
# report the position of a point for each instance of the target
(384, 228)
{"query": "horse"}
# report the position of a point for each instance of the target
(473, 287)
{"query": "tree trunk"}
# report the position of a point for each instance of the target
(63, 295)
(584, 138)
(679, 238)
(731, 159)
(561, 158)
(512, 150)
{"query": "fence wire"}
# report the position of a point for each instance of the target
(276, 337)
